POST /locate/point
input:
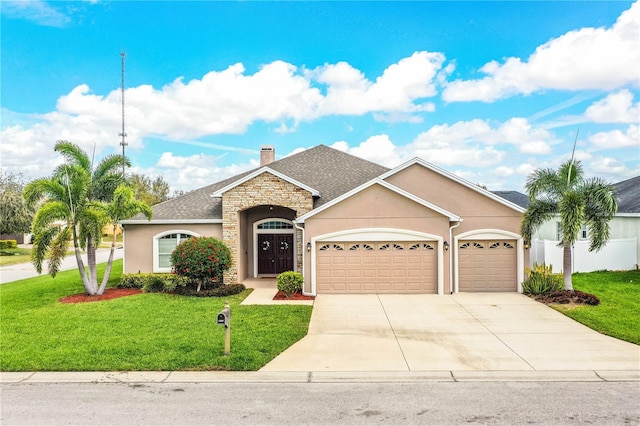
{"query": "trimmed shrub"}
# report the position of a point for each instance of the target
(8, 244)
(541, 280)
(203, 260)
(223, 291)
(153, 283)
(290, 283)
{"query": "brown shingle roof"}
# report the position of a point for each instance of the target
(325, 169)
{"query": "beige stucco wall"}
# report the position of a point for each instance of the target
(376, 207)
(138, 242)
(477, 210)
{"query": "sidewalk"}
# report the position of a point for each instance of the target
(22, 271)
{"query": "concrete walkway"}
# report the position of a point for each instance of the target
(461, 332)
(22, 271)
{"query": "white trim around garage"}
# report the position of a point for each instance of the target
(377, 234)
(491, 234)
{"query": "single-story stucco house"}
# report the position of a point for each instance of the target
(622, 251)
(347, 224)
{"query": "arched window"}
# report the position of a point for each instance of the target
(163, 245)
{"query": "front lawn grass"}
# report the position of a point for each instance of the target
(141, 332)
(618, 314)
(15, 256)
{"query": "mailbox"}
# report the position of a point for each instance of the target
(224, 316)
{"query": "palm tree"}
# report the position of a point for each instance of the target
(68, 210)
(123, 206)
(577, 201)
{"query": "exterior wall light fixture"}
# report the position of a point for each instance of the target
(446, 246)
(308, 246)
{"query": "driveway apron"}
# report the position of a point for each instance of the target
(465, 331)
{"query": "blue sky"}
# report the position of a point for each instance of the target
(487, 90)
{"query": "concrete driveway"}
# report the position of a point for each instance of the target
(466, 331)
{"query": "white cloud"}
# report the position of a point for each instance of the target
(36, 11)
(190, 172)
(611, 169)
(229, 101)
(378, 149)
(617, 138)
(349, 92)
(440, 139)
(615, 108)
(587, 58)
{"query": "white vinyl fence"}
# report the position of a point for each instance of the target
(617, 255)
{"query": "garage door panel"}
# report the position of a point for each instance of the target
(376, 267)
(487, 266)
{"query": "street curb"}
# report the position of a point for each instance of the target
(317, 376)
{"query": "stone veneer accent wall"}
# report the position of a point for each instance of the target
(264, 189)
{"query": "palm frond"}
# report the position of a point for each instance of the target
(42, 241)
(58, 250)
(73, 154)
(538, 212)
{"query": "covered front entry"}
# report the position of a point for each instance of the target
(487, 265)
(377, 267)
(275, 253)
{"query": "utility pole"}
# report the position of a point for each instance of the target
(122, 134)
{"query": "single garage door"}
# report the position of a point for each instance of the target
(487, 265)
(377, 267)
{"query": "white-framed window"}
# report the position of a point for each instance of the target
(163, 246)
(582, 235)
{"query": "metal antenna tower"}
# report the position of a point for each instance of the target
(123, 133)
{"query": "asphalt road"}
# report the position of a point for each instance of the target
(430, 403)
(21, 271)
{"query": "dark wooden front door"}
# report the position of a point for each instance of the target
(275, 253)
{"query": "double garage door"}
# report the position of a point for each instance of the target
(412, 267)
(377, 267)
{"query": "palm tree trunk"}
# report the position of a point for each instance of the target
(91, 263)
(88, 288)
(107, 271)
(567, 267)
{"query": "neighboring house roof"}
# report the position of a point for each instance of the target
(515, 197)
(628, 192)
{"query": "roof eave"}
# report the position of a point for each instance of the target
(265, 169)
(455, 178)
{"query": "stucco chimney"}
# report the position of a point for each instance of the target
(267, 155)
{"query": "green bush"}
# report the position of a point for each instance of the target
(225, 290)
(8, 244)
(290, 282)
(153, 283)
(203, 260)
(541, 280)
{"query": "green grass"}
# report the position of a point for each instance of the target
(15, 256)
(141, 332)
(618, 314)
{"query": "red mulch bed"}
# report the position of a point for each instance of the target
(296, 296)
(566, 297)
(110, 293)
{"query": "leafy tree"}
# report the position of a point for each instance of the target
(15, 216)
(123, 206)
(71, 208)
(204, 260)
(578, 202)
(149, 191)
